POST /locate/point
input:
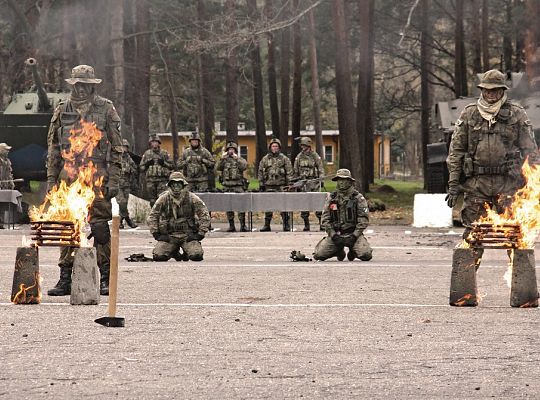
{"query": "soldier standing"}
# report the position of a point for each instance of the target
(195, 163)
(6, 173)
(308, 167)
(84, 104)
(178, 220)
(232, 168)
(157, 165)
(344, 218)
(275, 171)
(490, 142)
(129, 172)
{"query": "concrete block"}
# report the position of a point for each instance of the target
(463, 290)
(85, 277)
(430, 210)
(26, 287)
(524, 289)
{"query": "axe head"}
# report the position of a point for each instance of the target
(111, 322)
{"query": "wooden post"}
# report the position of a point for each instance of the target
(463, 291)
(113, 274)
(26, 281)
(524, 290)
(85, 277)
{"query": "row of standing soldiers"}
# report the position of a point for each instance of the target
(274, 173)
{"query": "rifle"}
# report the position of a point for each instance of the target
(298, 185)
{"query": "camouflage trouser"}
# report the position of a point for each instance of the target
(230, 214)
(122, 198)
(100, 212)
(326, 248)
(311, 187)
(154, 188)
(198, 187)
(269, 214)
(305, 215)
(164, 251)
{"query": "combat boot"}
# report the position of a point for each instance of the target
(231, 226)
(351, 255)
(266, 227)
(122, 224)
(130, 223)
(243, 227)
(306, 224)
(341, 254)
(286, 223)
(104, 280)
(63, 287)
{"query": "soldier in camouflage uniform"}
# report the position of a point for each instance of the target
(308, 167)
(157, 165)
(6, 173)
(275, 171)
(129, 171)
(489, 144)
(232, 168)
(195, 163)
(85, 104)
(178, 220)
(344, 218)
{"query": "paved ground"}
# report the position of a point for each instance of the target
(248, 323)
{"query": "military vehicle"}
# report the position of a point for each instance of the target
(24, 124)
(447, 112)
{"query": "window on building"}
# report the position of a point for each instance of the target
(244, 152)
(329, 154)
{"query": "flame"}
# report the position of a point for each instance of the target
(464, 300)
(23, 297)
(71, 201)
(523, 211)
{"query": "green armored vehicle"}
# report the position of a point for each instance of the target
(24, 124)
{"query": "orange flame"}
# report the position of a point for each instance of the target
(24, 297)
(71, 201)
(523, 211)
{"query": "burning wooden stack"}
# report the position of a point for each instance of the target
(55, 233)
(485, 235)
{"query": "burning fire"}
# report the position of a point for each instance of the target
(71, 200)
(524, 210)
(24, 297)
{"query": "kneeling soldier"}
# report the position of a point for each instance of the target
(344, 218)
(178, 220)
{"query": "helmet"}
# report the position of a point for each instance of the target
(493, 79)
(275, 140)
(125, 143)
(83, 74)
(178, 177)
(231, 144)
(343, 173)
(195, 136)
(305, 141)
(154, 138)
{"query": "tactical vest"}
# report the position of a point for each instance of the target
(344, 214)
(69, 119)
(231, 174)
(195, 169)
(178, 218)
(127, 171)
(156, 171)
(307, 166)
(274, 172)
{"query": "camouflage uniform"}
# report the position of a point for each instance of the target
(157, 165)
(6, 173)
(344, 218)
(485, 157)
(232, 178)
(129, 172)
(195, 164)
(308, 166)
(106, 157)
(275, 171)
(178, 222)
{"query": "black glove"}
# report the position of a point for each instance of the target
(112, 191)
(149, 163)
(338, 239)
(262, 188)
(161, 237)
(451, 197)
(161, 162)
(193, 236)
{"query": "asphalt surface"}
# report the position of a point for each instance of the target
(247, 323)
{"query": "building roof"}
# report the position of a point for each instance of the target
(252, 133)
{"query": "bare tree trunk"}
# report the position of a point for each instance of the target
(460, 66)
(130, 92)
(142, 99)
(425, 71)
(315, 90)
(285, 81)
(117, 49)
(260, 129)
(364, 111)
(521, 32)
(272, 85)
(349, 149)
(297, 86)
(507, 38)
(475, 36)
(532, 45)
(232, 73)
(485, 35)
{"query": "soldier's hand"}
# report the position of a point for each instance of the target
(338, 239)
(451, 198)
(112, 191)
(194, 236)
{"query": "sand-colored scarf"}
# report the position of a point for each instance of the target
(489, 111)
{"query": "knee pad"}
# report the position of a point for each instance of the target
(365, 257)
(101, 232)
(160, 257)
(196, 257)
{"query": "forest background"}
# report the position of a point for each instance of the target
(360, 66)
